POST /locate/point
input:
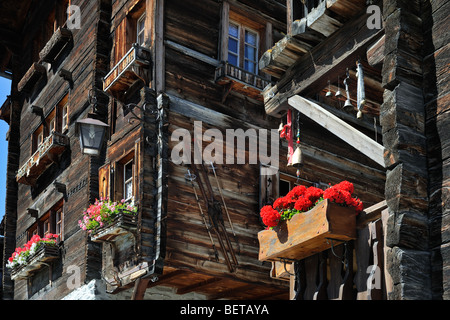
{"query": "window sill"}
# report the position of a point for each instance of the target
(31, 77)
(54, 46)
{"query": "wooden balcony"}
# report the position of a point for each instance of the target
(349, 270)
(45, 255)
(308, 24)
(47, 153)
(240, 80)
(134, 66)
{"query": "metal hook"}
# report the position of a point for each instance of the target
(330, 241)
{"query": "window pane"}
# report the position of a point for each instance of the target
(250, 38)
(232, 45)
(249, 66)
(141, 39)
(128, 190)
(140, 28)
(250, 53)
(233, 30)
(232, 59)
(128, 171)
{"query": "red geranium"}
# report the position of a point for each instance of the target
(303, 204)
(270, 216)
(341, 193)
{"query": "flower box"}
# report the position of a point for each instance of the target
(308, 233)
(42, 257)
(124, 222)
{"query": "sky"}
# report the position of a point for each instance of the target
(5, 90)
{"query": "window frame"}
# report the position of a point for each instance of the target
(140, 32)
(237, 54)
(125, 33)
(129, 180)
(242, 29)
(48, 222)
(256, 47)
(119, 176)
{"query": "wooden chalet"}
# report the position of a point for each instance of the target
(150, 69)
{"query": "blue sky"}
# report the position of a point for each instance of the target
(5, 90)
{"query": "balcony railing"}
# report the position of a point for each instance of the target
(47, 153)
(240, 80)
(133, 66)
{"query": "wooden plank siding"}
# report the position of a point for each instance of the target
(85, 59)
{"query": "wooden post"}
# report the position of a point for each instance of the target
(404, 138)
(224, 19)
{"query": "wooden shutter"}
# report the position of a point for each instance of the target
(269, 185)
(104, 181)
(120, 41)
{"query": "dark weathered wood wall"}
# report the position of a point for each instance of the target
(436, 24)
(85, 58)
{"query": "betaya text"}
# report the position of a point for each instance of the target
(235, 309)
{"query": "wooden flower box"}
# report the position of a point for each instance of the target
(45, 255)
(308, 233)
(123, 224)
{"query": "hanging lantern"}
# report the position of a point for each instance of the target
(92, 133)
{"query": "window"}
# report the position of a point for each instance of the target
(128, 180)
(233, 44)
(250, 51)
(37, 138)
(62, 115)
(140, 30)
(56, 121)
(58, 222)
(243, 39)
(65, 117)
(50, 222)
(130, 30)
(124, 181)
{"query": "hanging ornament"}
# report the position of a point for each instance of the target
(297, 157)
(328, 94)
(338, 92)
(348, 104)
(361, 95)
(287, 134)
